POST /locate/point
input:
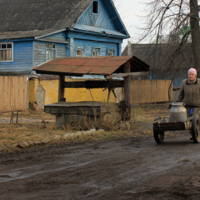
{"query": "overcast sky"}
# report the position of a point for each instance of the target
(131, 12)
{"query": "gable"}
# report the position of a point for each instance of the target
(106, 18)
(101, 19)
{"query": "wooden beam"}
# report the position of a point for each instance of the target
(128, 74)
(94, 84)
(127, 92)
(61, 89)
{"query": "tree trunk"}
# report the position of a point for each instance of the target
(194, 23)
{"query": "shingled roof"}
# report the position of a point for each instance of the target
(29, 15)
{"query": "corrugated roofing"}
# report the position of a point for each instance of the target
(5, 35)
(91, 65)
(26, 15)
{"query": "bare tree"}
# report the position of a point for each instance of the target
(175, 18)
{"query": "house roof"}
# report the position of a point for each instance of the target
(32, 18)
(5, 35)
(91, 65)
(23, 15)
(163, 56)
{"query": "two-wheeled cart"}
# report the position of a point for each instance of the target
(160, 125)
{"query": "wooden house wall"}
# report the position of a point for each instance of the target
(88, 47)
(101, 19)
(23, 61)
(57, 37)
(40, 51)
(89, 41)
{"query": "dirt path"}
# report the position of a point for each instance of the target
(122, 168)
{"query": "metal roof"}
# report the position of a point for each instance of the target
(23, 15)
(5, 35)
(91, 65)
(32, 18)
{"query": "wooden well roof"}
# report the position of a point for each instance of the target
(74, 66)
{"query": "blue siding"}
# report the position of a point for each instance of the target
(23, 61)
(61, 50)
(88, 42)
(40, 52)
(89, 45)
(57, 37)
(102, 19)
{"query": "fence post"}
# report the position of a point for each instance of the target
(127, 92)
(61, 88)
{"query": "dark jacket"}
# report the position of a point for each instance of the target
(190, 93)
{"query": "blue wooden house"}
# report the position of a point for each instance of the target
(36, 31)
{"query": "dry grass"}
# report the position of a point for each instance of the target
(143, 114)
(15, 133)
(31, 114)
(148, 112)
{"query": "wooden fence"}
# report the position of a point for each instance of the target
(13, 93)
(151, 91)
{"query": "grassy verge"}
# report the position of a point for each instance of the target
(142, 118)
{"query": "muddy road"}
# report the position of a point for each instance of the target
(121, 168)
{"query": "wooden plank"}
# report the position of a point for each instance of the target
(17, 99)
(127, 74)
(61, 89)
(7, 93)
(13, 91)
(12, 96)
(1, 93)
(150, 91)
(154, 91)
(127, 90)
(94, 84)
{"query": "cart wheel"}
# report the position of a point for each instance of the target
(195, 129)
(158, 135)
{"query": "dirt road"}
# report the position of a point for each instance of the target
(121, 168)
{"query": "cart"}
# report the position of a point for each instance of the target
(161, 125)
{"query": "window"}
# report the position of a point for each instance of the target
(111, 52)
(95, 7)
(50, 51)
(6, 52)
(79, 52)
(96, 52)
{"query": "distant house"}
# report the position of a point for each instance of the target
(167, 60)
(33, 32)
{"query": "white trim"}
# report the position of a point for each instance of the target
(38, 37)
(3, 61)
(114, 52)
(80, 48)
(97, 51)
(115, 9)
(55, 49)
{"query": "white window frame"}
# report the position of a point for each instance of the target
(78, 49)
(49, 48)
(5, 49)
(111, 50)
(96, 49)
